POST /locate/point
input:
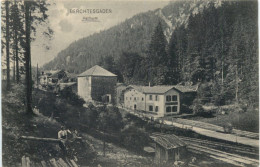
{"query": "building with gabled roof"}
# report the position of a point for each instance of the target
(97, 84)
(161, 100)
(97, 71)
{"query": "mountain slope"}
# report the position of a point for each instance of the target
(133, 35)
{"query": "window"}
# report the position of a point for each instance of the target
(151, 97)
(150, 108)
(168, 109)
(142, 99)
(156, 108)
(174, 108)
(174, 98)
(168, 98)
(134, 98)
(156, 98)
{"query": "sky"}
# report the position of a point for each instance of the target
(69, 27)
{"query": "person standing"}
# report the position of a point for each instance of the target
(63, 136)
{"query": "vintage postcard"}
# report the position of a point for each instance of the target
(96, 83)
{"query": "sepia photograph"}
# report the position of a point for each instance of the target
(129, 83)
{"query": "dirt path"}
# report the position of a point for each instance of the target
(115, 155)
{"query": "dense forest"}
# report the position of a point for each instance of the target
(215, 46)
(219, 47)
(132, 35)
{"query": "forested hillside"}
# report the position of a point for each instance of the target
(215, 44)
(132, 35)
(220, 48)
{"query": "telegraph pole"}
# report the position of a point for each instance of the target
(37, 77)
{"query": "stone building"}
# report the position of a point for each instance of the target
(97, 84)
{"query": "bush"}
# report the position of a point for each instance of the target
(198, 109)
(134, 139)
(219, 100)
(137, 121)
(110, 119)
(89, 118)
(248, 121)
(72, 97)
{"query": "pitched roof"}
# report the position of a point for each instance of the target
(169, 141)
(56, 73)
(161, 89)
(120, 84)
(65, 85)
(154, 89)
(185, 89)
(97, 71)
(71, 75)
(51, 72)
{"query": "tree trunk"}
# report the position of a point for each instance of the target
(28, 58)
(7, 47)
(16, 57)
(17, 63)
(236, 85)
(14, 66)
(40, 139)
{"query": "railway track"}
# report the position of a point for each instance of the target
(243, 150)
(233, 154)
(224, 156)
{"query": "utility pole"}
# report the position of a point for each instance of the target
(37, 77)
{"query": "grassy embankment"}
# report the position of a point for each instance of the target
(242, 118)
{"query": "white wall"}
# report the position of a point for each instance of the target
(84, 88)
(154, 103)
(133, 97)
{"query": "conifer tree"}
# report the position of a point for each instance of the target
(157, 57)
(32, 10)
(7, 40)
(16, 26)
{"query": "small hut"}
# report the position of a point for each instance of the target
(169, 148)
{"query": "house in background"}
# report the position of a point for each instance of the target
(66, 87)
(120, 89)
(58, 76)
(49, 80)
(45, 78)
(97, 84)
(161, 100)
